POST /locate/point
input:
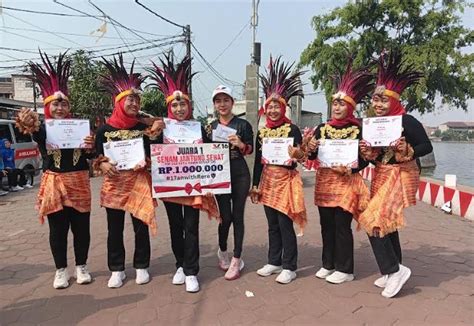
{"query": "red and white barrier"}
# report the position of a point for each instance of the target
(435, 194)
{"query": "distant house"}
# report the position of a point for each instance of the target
(430, 130)
(16, 92)
(457, 126)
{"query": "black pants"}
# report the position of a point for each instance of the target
(338, 242)
(282, 245)
(232, 206)
(388, 252)
(184, 229)
(115, 246)
(13, 177)
(59, 224)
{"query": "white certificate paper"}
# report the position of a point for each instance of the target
(382, 131)
(182, 132)
(127, 153)
(222, 133)
(66, 133)
(275, 151)
(334, 152)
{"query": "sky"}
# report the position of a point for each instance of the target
(220, 32)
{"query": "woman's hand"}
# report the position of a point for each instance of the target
(209, 194)
(313, 145)
(158, 126)
(89, 141)
(401, 146)
(254, 195)
(342, 170)
(235, 141)
(108, 169)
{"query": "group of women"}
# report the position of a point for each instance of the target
(65, 199)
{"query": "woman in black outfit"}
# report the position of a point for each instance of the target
(232, 206)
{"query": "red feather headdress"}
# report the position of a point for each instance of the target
(52, 78)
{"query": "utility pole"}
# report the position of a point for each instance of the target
(187, 40)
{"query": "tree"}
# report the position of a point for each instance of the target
(153, 102)
(429, 34)
(87, 100)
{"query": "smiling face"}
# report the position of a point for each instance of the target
(223, 103)
(59, 109)
(381, 105)
(274, 111)
(339, 109)
(180, 109)
(131, 105)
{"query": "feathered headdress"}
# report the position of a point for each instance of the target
(353, 85)
(172, 80)
(52, 78)
(118, 81)
(394, 75)
(280, 83)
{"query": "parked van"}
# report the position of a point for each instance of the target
(27, 154)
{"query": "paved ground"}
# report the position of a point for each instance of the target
(438, 248)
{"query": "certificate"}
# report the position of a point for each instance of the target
(190, 170)
(182, 132)
(334, 152)
(275, 151)
(382, 131)
(126, 153)
(222, 133)
(66, 133)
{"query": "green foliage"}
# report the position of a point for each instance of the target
(437, 133)
(153, 102)
(455, 135)
(428, 32)
(87, 100)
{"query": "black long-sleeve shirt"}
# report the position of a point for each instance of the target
(284, 131)
(415, 135)
(244, 131)
(326, 131)
(61, 160)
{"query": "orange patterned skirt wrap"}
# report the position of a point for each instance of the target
(393, 188)
(334, 190)
(282, 189)
(71, 189)
(130, 191)
(203, 203)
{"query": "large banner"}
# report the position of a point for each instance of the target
(189, 170)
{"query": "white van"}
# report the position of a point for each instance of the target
(27, 154)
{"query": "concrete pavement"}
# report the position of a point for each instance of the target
(438, 248)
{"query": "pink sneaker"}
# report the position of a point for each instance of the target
(233, 273)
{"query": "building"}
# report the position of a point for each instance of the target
(457, 126)
(16, 92)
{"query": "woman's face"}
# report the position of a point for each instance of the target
(381, 105)
(223, 103)
(274, 111)
(7, 144)
(59, 109)
(339, 109)
(131, 105)
(180, 109)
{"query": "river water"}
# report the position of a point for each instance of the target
(453, 158)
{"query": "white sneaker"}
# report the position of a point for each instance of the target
(116, 279)
(323, 272)
(17, 188)
(82, 275)
(3, 192)
(192, 284)
(268, 270)
(396, 281)
(339, 277)
(224, 261)
(142, 276)
(179, 277)
(28, 186)
(286, 276)
(61, 279)
(381, 282)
